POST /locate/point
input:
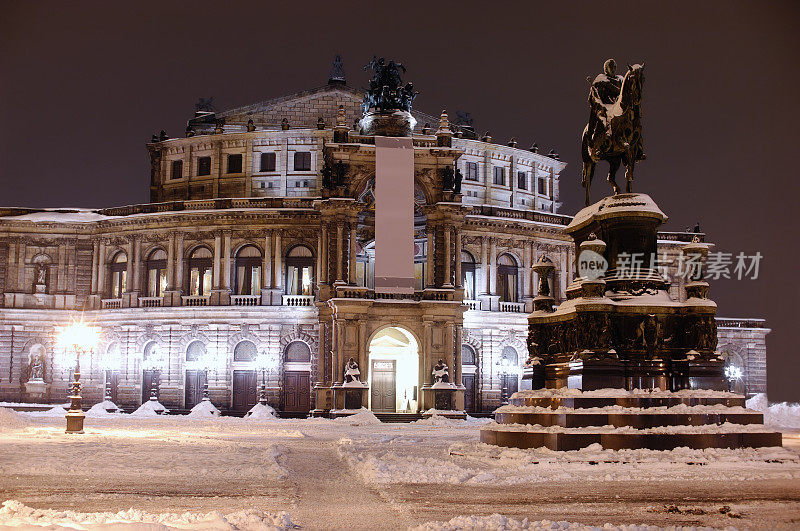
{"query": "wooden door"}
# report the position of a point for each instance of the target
(297, 391)
(469, 392)
(195, 381)
(149, 378)
(244, 390)
(112, 377)
(383, 386)
(510, 384)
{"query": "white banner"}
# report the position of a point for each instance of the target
(394, 215)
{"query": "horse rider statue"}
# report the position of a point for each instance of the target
(614, 131)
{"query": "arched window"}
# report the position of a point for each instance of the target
(510, 356)
(119, 275)
(244, 351)
(507, 278)
(248, 271)
(468, 275)
(196, 351)
(156, 273)
(151, 356)
(299, 271)
(200, 272)
(297, 351)
(467, 355)
(112, 359)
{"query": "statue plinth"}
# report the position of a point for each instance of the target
(387, 123)
(36, 389)
(622, 329)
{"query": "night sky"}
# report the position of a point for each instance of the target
(84, 85)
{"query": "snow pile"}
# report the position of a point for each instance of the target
(727, 427)
(364, 417)
(564, 392)
(11, 420)
(261, 412)
(16, 514)
(204, 409)
(151, 408)
(498, 522)
(103, 409)
(55, 411)
(783, 414)
(440, 421)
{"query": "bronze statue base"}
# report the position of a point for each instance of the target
(394, 123)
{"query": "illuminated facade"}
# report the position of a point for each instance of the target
(254, 263)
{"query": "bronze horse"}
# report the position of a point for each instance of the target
(618, 136)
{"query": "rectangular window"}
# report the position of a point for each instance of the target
(499, 175)
(267, 162)
(522, 181)
(177, 169)
(472, 171)
(204, 166)
(542, 187)
(302, 161)
(235, 163)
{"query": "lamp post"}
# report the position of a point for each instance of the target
(81, 338)
(264, 363)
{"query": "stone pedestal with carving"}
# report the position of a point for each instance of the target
(36, 390)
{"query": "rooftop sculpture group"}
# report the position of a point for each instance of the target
(386, 92)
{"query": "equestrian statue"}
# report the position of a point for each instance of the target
(614, 131)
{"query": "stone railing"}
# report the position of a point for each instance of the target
(298, 300)
(512, 213)
(245, 300)
(472, 304)
(150, 302)
(730, 322)
(195, 300)
(686, 237)
(515, 307)
(111, 304)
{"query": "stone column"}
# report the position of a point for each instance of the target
(449, 351)
(266, 271)
(447, 258)
(429, 259)
(351, 269)
(319, 258)
(101, 271)
(526, 269)
(484, 267)
(458, 380)
(492, 266)
(278, 253)
(216, 269)
(424, 358)
(363, 349)
(171, 262)
(339, 249)
(178, 280)
(458, 257)
(323, 273)
(95, 268)
(226, 261)
(129, 266)
(21, 248)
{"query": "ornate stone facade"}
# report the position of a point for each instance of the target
(252, 266)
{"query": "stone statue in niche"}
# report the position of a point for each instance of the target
(37, 363)
(441, 373)
(352, 373)
(40, 278)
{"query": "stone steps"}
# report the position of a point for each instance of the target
(639, 420)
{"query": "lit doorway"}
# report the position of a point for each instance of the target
(394, 371)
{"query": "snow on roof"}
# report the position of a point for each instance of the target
(60, 215)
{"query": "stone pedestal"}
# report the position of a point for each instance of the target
(349, 396)
(446, 398)
(36, 390)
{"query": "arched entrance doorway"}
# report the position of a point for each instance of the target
(394, 371)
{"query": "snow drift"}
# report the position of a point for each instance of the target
(781, 415)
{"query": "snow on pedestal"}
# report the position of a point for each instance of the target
(104, 408)
(261, 412)
(151, 408)
(204, 409)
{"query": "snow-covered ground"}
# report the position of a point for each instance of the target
(354, 472)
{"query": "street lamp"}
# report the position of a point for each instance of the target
(81, 338)
(264, 363)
